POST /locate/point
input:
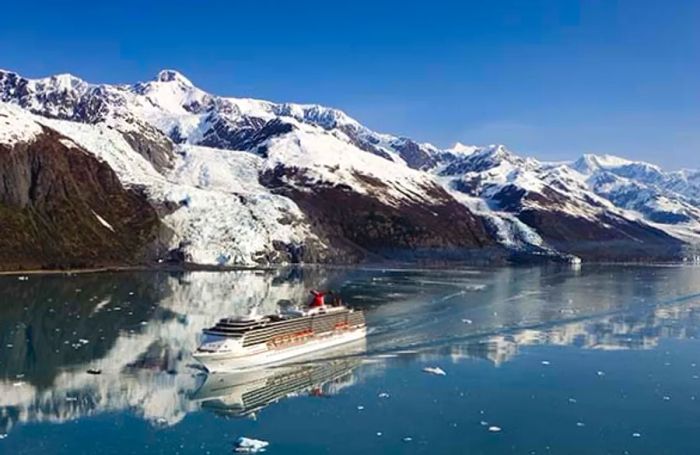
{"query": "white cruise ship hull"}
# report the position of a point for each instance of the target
(263, 355)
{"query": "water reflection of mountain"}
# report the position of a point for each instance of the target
(59, 322)
(139, 328)
(43, 320)
(639, 329)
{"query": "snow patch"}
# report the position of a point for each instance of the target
(102, 221)
(16, 125)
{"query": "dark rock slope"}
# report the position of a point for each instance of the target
(362, 227)
(60, 207)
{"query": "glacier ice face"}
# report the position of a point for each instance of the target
(221, 210)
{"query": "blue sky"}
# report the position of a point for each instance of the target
(552, 79)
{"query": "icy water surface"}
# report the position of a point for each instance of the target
(599, 359)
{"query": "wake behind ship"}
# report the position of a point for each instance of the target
(240, 343)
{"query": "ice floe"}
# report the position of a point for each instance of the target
(435, 370)
(250, 445)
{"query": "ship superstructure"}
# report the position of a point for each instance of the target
(245, 342)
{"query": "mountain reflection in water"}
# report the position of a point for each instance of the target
(140, 328)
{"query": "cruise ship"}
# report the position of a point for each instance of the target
(240, 343)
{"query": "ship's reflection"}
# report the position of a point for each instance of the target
(245, 393)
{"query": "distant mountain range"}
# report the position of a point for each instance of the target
(99, 175)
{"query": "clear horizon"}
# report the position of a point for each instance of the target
(549, 80)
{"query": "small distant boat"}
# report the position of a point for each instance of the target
(240, 343)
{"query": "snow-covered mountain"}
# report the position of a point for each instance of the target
(242, 181)
(670, 199)
(566, 206)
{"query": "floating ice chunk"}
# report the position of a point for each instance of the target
(467, 321)
(3, 435)
(83, 341)
(483, 423)
(545, 362)
(250, 445)
(435, 370)
(475, 287)
(580, 424)
(572, 400)
(494, 429)
(23, 278)
(407, 439)
(360, 408)
(379, 433)
(600, 373)
(636, 435)
(383, 395)
(567, 311)
(667, 398)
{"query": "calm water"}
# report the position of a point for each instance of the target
(600, 359)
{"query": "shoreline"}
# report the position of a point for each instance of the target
(70, 271)
(391, 265)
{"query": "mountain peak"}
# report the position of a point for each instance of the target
(590, 162)
(463, 149)
(63, 81)
(168, 75)
(66, 81)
